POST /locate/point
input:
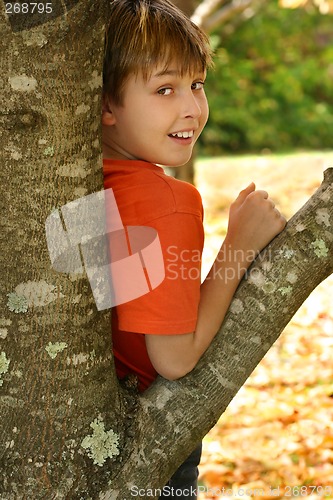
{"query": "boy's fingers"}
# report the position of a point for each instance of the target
(262, 193)
(245, 192)
(249, 188)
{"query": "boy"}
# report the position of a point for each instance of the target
(154, 109)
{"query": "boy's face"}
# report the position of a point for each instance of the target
(160, 119)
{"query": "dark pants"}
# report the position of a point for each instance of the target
(183, 484)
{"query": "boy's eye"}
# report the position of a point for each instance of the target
(197, 85)
(165, 91)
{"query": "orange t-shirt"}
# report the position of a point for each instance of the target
(146, 196)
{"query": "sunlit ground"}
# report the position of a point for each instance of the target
(276, 437)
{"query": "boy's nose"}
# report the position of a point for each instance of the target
(191, 107)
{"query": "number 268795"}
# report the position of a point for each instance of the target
(28, 8)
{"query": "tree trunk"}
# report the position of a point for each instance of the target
(56, 366)
(69, 431)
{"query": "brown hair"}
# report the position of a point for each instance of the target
(144, 33)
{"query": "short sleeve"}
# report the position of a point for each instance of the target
(172, 307)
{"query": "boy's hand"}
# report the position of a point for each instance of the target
(253, 220)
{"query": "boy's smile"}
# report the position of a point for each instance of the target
(160, 118)
(184, 137)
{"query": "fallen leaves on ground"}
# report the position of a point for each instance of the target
(276, 437)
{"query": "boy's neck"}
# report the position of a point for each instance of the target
(111, 154)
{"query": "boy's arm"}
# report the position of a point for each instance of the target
(253, 223)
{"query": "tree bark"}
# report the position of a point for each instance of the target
(69, 431)
(50, 156)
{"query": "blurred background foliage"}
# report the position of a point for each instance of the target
(272, 85)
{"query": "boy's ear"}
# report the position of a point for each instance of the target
(108, 117)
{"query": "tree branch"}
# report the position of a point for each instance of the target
(208, 18)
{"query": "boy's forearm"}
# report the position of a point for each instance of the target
(217, 292)
(176, 355)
